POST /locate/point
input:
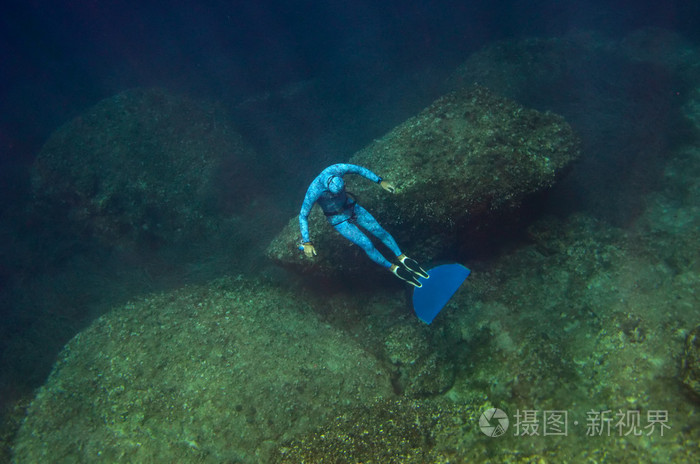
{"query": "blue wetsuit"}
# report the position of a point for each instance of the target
(344, 214)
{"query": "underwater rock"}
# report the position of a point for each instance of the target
(422, 366)
(142, 168)
(585, 77)
(466, 160)
(533, 71)
(217, 373)
(691, 362)
(393, 431)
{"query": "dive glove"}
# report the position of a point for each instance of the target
(388, 186)
(308, 249)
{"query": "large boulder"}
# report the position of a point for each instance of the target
(218, 373)
(691, 362)
(467, 159)
(585, 77)
(143, 168)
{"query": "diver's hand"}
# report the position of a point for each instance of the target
(388, 186)
(309, 250)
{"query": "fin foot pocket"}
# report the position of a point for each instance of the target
(406, 275)
(413, 266)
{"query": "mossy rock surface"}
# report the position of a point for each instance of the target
(222, 373)
(143, 168)
(691, 362)
(394, 431)
(467, 159)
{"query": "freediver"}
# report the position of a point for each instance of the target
(346, 216)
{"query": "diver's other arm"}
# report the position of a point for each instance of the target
(312, 195)
(343, 169)
(366, 173)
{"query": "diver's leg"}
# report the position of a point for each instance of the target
(367, 222)
(355, 235)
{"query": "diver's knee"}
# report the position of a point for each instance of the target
(366, 244)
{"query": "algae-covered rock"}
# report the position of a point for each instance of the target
(204, 374)
(585, 77)
(421, 360)
(462, 161)
(691, 362)
(394, 431)
(141, 168)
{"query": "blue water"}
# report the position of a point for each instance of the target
(307, 83)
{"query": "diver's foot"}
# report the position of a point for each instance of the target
(404, 274)
(413, 266)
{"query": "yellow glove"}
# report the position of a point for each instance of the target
(309, 250)
(388, 186)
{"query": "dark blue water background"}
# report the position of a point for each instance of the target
(60, 57)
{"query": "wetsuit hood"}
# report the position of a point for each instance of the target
(336, 184)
